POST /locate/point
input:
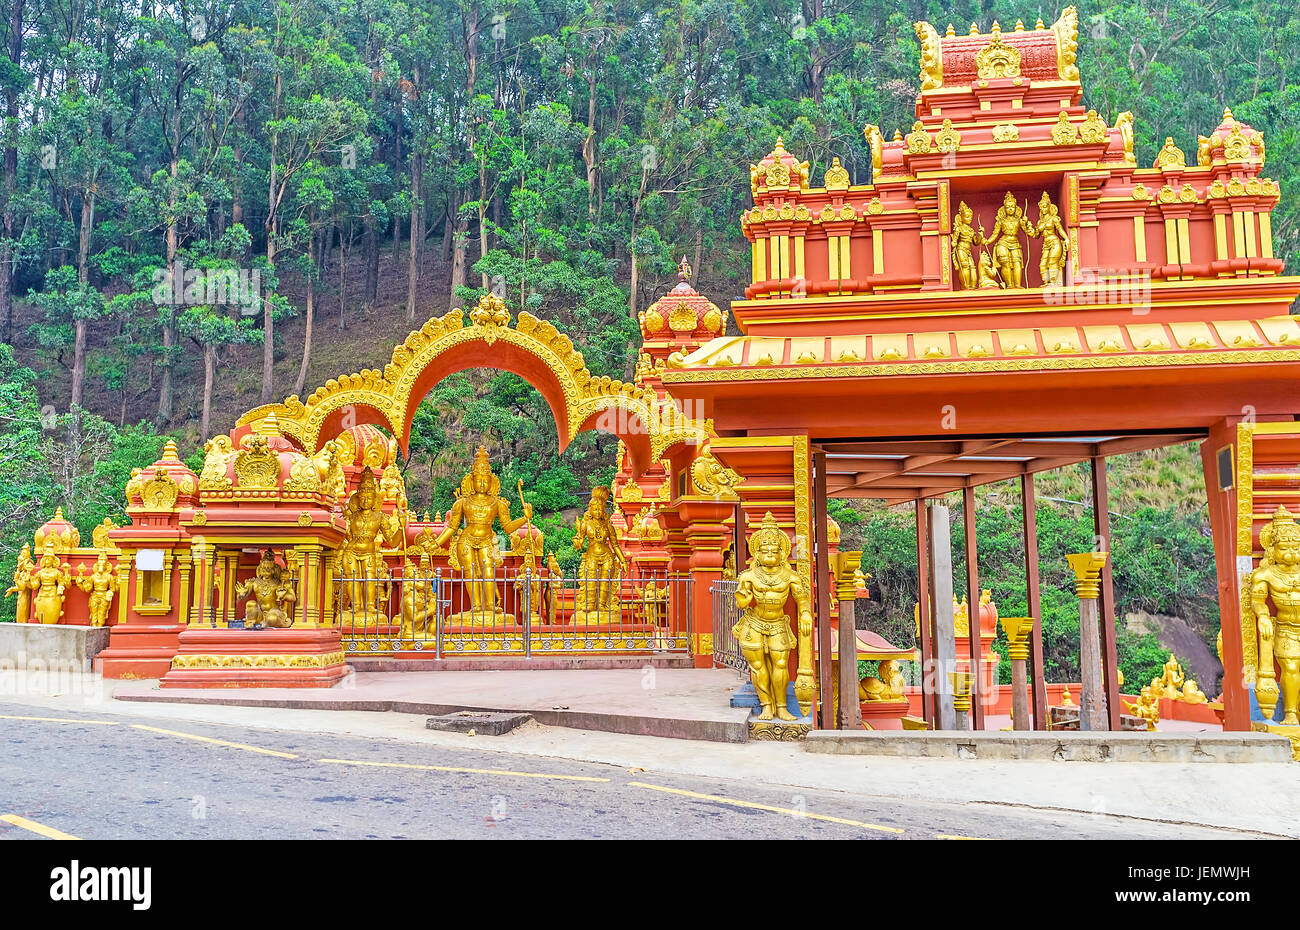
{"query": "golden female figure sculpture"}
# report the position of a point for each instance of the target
(1008, 256)
(473, 549)
(964, 239)
(1277, 579)
(101, 586)
(361, 563)
(50, 582)
(763, 630)
(601, 566)
(272, 596)
(417, 594)
(22, 584)
(1052, 265)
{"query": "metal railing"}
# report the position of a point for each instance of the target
(726, 651)
(443, 613)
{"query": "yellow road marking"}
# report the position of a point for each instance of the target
(102, 723)
(765, 807)
(35, 827)
(451, 768)
(957, 836)
(218, 742)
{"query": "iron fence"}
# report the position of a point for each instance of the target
(443, 613)
(726, 650)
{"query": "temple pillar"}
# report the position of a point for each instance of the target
(705, 532)
(1019, 631)
(1092, 703)
(1227, 456)
(939, 535)
(846, 588)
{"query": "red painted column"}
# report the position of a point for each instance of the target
(1223, 512)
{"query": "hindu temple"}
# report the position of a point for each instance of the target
(1012, 290)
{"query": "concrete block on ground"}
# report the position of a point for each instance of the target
(481, 723)
(1057, 747)
(57, 645)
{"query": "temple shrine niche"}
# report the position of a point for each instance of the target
(1010, 291)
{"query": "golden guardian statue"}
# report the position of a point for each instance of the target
(763, 630)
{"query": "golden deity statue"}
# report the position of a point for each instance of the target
(101, 586)
(473, 549)
(50, 582)
(1277, 579)
(1146, 707)
(22, 587)
(361, 568)
(270, 595)
(600, 572)
(1052, 265)
(1170, 682)
(763, 630)
(988, 275)
(964, 239)
(1008, 256)
(418, 595)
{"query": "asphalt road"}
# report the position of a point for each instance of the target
(118, 777)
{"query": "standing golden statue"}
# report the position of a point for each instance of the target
(361, 567)
(101, 586)
(270, 595)
(763, 630)
(1052, 264)
(50, 582)
(22, 585)
(473, 549)
(601, 569)
(1008, 255)
(1277, 579)
(964, 239)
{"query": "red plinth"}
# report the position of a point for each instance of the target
(139, 650)
(219, 658)
(885, 715)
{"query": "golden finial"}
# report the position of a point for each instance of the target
(950, 31)
(996, 30)
(1227, 114)
(898, 135)
(1020, 25)
(270, 426)
(169, 451)
(779, 148)
(974, 29)
(1039, 24)
(1066, 700)
(684, 269)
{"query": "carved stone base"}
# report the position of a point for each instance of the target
(784, 731)
(295, 658)
(481, 621)
(596, 618)
(1290, 732)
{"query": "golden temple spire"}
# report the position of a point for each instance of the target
(950, 31)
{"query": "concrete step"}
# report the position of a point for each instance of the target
(1059, 747)
(515, 663)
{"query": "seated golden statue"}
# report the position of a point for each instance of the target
(886, 685)
(101, 586)
(473, 548)
(418, 598)
(50, 582)
(1170, 683)
(601, 569)
(270, 595)
(22, 587)
(1277, 580)
(1147, 706)
(361, 569)
(763, 630)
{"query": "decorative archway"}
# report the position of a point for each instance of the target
(534, 349)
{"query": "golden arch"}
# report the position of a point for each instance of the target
(534, 349)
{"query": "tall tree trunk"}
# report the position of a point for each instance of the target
(83, 277)
(209, 376)
(448, 225)
(343, 271)
(15, 52)
(268, 320)
(370, 244)
(589, 143)
(413, 257)
(306, 337)
(165, 389)
(458, 270)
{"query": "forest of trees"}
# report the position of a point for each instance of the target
(209, 205)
